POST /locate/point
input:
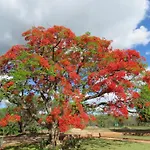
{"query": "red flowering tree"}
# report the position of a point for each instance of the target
(56, 74)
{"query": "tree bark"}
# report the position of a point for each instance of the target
(54, 135)
(21, 127)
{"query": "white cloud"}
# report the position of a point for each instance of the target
(5, 77)
(4, 103)
(115, 20)
(147, 53)
(148, 68)
(135, 37)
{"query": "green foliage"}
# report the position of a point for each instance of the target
(106, 121)
(11, 129)
(72, 144)
(143, 104)
(1, 141)
(3, 111)
(33, 127)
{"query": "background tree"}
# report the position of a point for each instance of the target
(57, 73)
(143, 104)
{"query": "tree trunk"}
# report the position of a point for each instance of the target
(21, 127)
(54, 135)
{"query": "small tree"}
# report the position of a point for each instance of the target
(56, 74)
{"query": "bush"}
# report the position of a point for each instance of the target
(11, 129)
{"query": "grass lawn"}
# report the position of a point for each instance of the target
(96, 144)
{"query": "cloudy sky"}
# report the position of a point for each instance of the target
(126, 22)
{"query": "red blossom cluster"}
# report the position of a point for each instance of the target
(147, 104)
(117, 109)
(66, 118)
(69, 119)
(44, 62)
(146, 78)
(9, 119)
(8, 84)
(39, 36)
(135, 95)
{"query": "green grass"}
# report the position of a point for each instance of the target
(96, 144)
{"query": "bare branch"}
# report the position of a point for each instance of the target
(53, 50)
(96, 95)
(80, 66)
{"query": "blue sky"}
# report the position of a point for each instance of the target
(145, 49)
(2, 105)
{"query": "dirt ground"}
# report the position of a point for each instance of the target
(23, 139)
(94, 132)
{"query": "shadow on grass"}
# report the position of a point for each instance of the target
(24, 147)
(34, 146)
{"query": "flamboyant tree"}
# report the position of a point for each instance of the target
(56, 74)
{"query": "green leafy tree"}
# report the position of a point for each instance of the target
(143, 104)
